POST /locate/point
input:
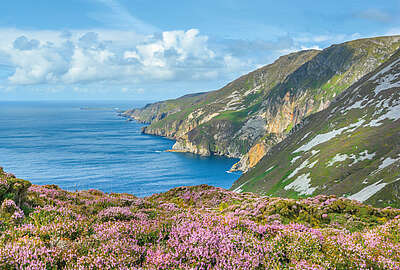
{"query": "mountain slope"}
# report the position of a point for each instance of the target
(352, 148)
(250, 115)
(226, 108)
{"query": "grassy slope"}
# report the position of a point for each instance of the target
(151, 111)
(343, 177)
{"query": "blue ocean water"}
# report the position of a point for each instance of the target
(62, 143)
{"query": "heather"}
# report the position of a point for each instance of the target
(201, 227)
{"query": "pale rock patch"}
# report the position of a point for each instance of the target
(312, 164)
(302, 185)
(342, 157)
(208, 118)
(385, 70)
(314, 152)
(303, 165)
(338, 158)
(269, 169)
(368, 191)
(322, 138)
(387, 83)
(294, 159)
(356, 105)
(363, 156)
(393, 113)
(305, 136)
(387, 162)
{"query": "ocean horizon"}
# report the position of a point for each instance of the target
(81, 145)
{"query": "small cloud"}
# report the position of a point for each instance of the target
(375, 15)
(24, 44)
(118, 16)
(315, 47)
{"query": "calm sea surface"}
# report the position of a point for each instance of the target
(61, 143)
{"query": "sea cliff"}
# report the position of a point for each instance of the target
(250, 115)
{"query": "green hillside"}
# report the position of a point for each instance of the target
(351, 149)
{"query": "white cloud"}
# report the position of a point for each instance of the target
(315, 47)
(84, 57)
(124, 57)
(174, 48)
(39, 65)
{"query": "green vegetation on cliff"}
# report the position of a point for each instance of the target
(352, 148)
(262, 107)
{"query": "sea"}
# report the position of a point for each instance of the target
(80, 145)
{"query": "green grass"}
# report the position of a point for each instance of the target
(289, 128)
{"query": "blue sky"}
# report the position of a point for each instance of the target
(150, 50)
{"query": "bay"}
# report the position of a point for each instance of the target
(85, 144)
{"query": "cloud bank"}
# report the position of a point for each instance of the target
(89, 57)
(93, 56)
(126, 61)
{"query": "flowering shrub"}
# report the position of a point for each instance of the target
(115, 213)
(199, 227)
(8, 206)
(12, 188)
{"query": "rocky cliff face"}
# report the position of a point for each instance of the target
(351, 149)
(221, 114)
(248, 116)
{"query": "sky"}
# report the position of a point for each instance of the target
(153, 50)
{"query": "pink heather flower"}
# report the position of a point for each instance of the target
(4, 184)
(18, 215)
(154, 233)
(10, 175)
(115, 213)
(9, 205)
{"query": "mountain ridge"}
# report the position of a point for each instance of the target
(248, 116)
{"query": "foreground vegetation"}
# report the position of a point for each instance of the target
(202, 227)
